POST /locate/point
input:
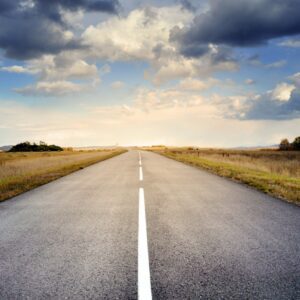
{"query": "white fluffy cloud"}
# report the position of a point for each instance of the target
(135, 36)
(145, 35)
(283, 91)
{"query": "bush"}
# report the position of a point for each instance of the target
(285, 145)
(28, 147)
(296, 143)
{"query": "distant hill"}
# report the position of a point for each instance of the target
(5, 148)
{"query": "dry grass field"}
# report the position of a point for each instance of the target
(22, 171)
(274, 172)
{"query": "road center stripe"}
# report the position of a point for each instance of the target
(144, 282)
(141, 173)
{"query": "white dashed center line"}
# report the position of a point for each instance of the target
(141, 173)
(144, 281)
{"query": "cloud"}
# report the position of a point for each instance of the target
(255, 60)
(265, 108)
(25, 38)
(52, 88)
(169, 64)
(64, 66)
(18, 69)
(241, 23)
(31, 28)
(186, 4)
(295, 79)
(58, 75)
(283, 91)
(134, 37)
(143, 35)
(282, 103)
(193, 84)
(57, 67)
(276, 64)
(293, 43)
(150, 100)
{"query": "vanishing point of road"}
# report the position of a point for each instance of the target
(143, 226)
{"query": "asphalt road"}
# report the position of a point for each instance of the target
(208, 237)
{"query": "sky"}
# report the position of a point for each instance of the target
(210, 73)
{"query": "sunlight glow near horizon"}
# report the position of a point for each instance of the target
(143, 73)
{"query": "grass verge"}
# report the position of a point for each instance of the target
(22, 172)
(280, 186)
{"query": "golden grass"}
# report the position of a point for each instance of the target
(274, 172)
(20, 172)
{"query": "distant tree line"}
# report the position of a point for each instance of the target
(28, 147)
(286, 145)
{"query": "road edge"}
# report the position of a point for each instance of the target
(245, 184)
(63, 172)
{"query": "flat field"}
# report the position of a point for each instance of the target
(22, 171)
(271, 171)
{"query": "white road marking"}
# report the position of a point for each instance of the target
(140, 159)
(141, 174)
(144, 281)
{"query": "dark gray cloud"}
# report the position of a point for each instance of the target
(31, 28)
(194, 50)
(188, 5)
(239, 23)
(6, 5)
(51, 8)
(26, 38)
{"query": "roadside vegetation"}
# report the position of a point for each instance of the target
(285, 145)
(271, 171)
(22, 171)
(28, 147)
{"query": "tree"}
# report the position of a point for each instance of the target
(296, 143)
(285, 145)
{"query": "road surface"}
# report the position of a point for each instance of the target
(147, 227)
